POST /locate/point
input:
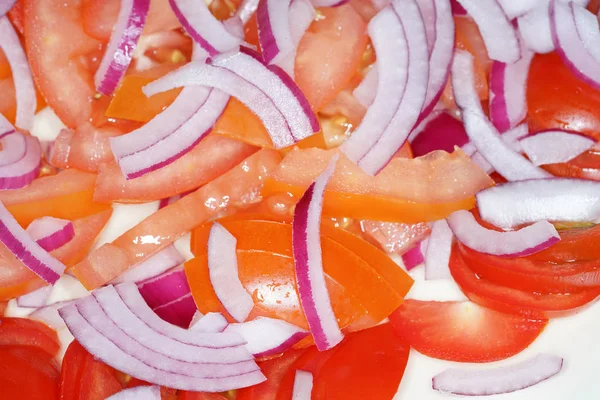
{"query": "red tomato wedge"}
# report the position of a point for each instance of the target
(238, 188)
(29, 333)
(209, 159)
(502, 298)
(16, 278)
(66, 195)
(201, 396)
(463, 331)
(329, 54)
(576, 244)
(407, 190)
(28, 373)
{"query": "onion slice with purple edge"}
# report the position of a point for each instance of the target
(123, 40)
(535, 30)
(273, 22)
(35, 299)
(569, 44)
(428, 12)
(165, 287)
(308, 262)
(508, 163)
(21, 73)
(22, 172)
(551, 147)
(389, 41)
(588, 30)
(179, 311)
(498, 380)
(51, 233)
(155, 265)
(516, 8)
(267, 337)
(223, 272)
(31, 254)
(439, 247)
(303, 384)
(246, 10)
(523, 242)
(209, 323)
(413, 99)
(104, 339)
(558, 199)
(329, 3)
(14, 147)
(210, 33)
(508, 86)
(499, 36)
(137, 393)
(415, 256)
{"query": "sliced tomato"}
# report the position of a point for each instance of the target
(3, 305)
(212, 157)
(395, 237)
(329, 54)
(239, 122)
(66, 195)
(16, 279)
(585, 166)
(28, 373)
(30, 333)
(407, 190)
(201, 396)
(237, 188)
(16, 16)
(576, 244)
(511, 300)
(463, 331)
(274, 370)
(85, 377)
(86, 230)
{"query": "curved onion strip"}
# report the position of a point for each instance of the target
(18, 242)
(122, 43)
(366, 90)
(35, 299)
(209, 323)
(49, 315)
(438, 251)
(179, 142)
(498, 380)
(480, 130)
(22, 172)
(407, 114)
(24, 88)
(516, 8)
(428, 12)
(523, 242)
(14, 147)
(5, 6)
(569, 44)
(516, 203)
(308, 261)
(137, 393)
(551, 147)
(223, 272)
(229, 347)
(246, 9)
(535, 30)
(588, 30)
(160, 262)
(499, 36)
(51, 233)
(388, 37)
(114, 355)
(203, 27)
(267, 336)
(6, 127)
(303, 384)
(165, 288)
(273, 21)
(329, 3)
(508, 86)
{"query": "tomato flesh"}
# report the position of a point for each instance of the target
(28, 373)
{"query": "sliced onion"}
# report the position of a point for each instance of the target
(137, 393)
(499, 36)
(267, 337)
(535, 30)
(551, 147)
(516, 8)
(510, 164)
(415, 256)
(498, 380)
(569, 44)
(273, 21)
(510, 138)
(523, 242)
(457, 9)
(5, 6)
(516, 203)
(428, 12)
(24, 87)
(31, 254)
(35, 299)
(438, 251)
(209, 323)
(22, 172)
(588, 30)
(223, 271)
(366, 90)
(122, 43)
(14, 147)
(329, 3)
(407, 114)
(179, 311)
(6, 128)
(442, 132)
(246, 9)
(51, 233)
(308, 262)
(106, 341)
(303, 384)
(49, 315)
(165, 287)
(203, 27)
(388, 37)
(154, 266)
(170, 200)
(508, 86)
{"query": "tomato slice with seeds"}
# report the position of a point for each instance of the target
(27, 332)
(463, 331)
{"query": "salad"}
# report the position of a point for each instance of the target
(298, 199)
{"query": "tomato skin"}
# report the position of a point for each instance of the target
(28, 373)
(26, 332)
(201, 396)
(463, 331)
